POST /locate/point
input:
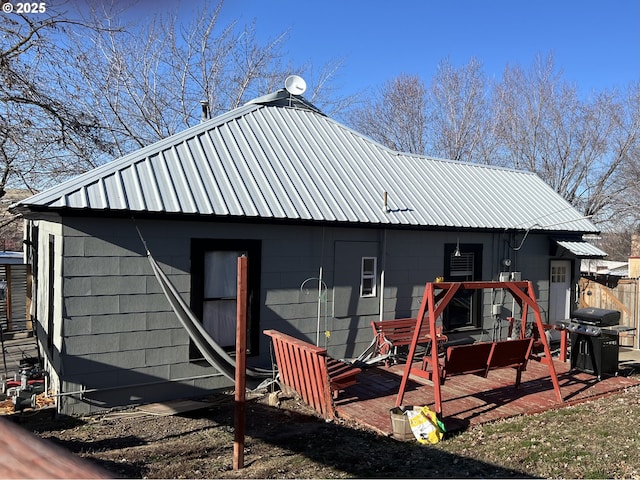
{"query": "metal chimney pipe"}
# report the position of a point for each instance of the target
(205, 111)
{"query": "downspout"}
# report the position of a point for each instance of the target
(382, 273)
(320, 282)
(385, 210)
(319, 314)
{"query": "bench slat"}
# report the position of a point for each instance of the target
(482, 357)
(399, 332)
(341, 374)
(510, 353)
(472, 358)
(308, 370)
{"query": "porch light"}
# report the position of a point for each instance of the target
(456, 252)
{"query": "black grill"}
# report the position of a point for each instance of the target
(599, 317)
(594, 341)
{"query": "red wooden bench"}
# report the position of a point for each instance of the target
(308, 370)
(538, 346)
(391, 334)
(482, 357)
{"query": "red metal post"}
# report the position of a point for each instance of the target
(241, 354)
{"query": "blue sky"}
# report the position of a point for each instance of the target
(595, 43)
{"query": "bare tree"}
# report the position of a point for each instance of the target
(616, 243)
(626, 146)
(585, 148)
(75, 93)
(325, 92)
(449, 119)
(396, 116)
(146, 83)
(460, 124)
(577, 146)
(38, 125)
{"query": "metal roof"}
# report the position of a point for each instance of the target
(582, 249)
(604, 267)
(270, 159)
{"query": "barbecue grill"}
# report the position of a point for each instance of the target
(594, 340)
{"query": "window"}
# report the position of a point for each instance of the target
(558, 274)
(214, 267)
(368, 277)
(461, 267)
(355, 279)
(220, 295)
(465, 309)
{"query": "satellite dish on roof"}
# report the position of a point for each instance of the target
(295, 85)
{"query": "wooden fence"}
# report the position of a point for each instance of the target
(622, 297)
(15, 297)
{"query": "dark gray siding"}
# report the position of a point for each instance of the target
(121, 339)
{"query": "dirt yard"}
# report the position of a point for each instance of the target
(598, 439)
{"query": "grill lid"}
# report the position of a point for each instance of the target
(600, 317)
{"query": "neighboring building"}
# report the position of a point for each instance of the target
(634, 259)
(598, 267)
(311, 202)
(11, 231)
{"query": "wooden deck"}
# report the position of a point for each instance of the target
(470, 399)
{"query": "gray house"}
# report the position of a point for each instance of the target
(338, 229)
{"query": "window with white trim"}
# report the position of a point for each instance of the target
(368, 276)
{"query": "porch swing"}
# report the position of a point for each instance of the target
(481, 357)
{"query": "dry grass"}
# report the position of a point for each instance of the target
(597, 439)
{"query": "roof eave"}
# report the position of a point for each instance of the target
(29, 211)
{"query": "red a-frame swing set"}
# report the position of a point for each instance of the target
(438, 295)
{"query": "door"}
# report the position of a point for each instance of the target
(560, 291)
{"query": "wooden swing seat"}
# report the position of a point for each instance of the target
(482, 357)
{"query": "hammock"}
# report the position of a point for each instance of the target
(212, 352)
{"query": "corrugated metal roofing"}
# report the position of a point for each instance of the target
(582, 249)
(279, 162)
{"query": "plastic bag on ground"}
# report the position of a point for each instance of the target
(425, 425)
